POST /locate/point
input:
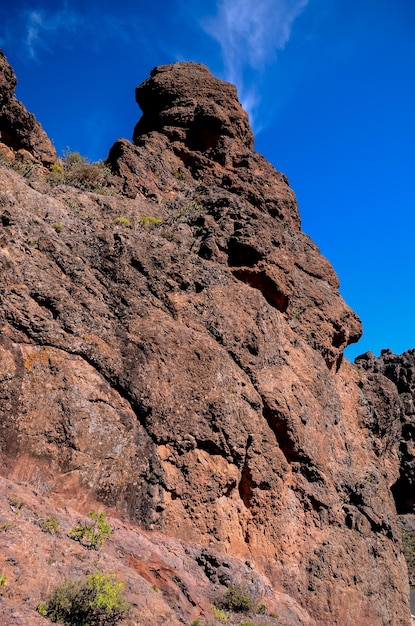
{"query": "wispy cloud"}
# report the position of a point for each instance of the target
(42, 27)
(250, 34)
(92, 29)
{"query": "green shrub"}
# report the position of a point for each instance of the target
(88, 176)
(190, 211)
(122, 221)
(16, 503)
(42, 608)
(92, 535)
(32, 242)
(238, 599)
(149, 221)
(179, 174)
(57, 227)
(96, 600)
(57, 173)
(75, 169)
(50, 525)
(3, 580)
(24, 168)
(7, 526)
(220, 614)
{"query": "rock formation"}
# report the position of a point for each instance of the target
(19, 129)
(400, 369)
(173, 351)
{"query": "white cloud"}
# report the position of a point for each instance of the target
(250, 33)
(42, 27)
(91, 29)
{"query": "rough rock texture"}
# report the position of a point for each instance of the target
(19, 129)
(252, 226)
(400, 369)
(175, 352)
(166, 581)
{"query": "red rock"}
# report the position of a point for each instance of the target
(183, 367)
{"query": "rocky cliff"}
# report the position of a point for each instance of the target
(400, 369)
(172, 353)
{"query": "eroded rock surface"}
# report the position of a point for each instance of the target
(175, 351)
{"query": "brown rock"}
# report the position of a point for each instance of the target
(19, 129)
(165, 580)
(175, 353)
(169, 106)
(400, 370)
(255, 225)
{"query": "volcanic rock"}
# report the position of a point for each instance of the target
(19, 129)
(173, 354)
(252, 226)
(400, 369)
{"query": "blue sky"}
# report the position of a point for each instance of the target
(330, 89)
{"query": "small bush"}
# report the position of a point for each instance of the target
(57, 227)
(123, 221)
(75, 169)
(42, 608)
(190, 211)
(50, 525)
(96, 600)
(220, 614)
(16, 503)
(179, 174)
(87, 176)
(8, 159)
(238, 599)
(92, 535)
(149, 222)
(3, 580)
(7, 526)
(32, 242)
(57, 173)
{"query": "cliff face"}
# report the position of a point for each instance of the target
(400, 370)
(173, 351)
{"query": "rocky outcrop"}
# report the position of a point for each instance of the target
(19, 129)
(400, 370)
(174, 351)
(194, 128)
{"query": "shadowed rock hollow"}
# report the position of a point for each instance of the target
(174, 351)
